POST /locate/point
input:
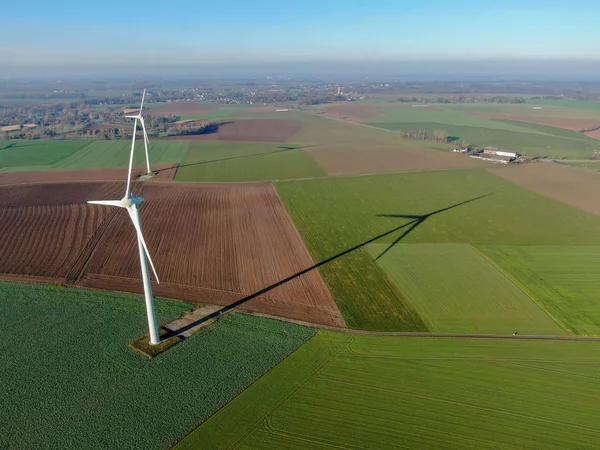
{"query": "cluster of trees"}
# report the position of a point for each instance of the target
(436, 136)
(193, 128)
(319, 99)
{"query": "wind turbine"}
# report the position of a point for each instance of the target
(146, 140)
(132, 204)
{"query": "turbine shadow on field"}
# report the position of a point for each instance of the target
(282, 149)
(417, 220)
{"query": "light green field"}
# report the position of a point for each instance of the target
(341, 391)
(554, 131)
(69, 380)
(563, 109)
(456, 289)
(571, 103)
(336, 215)
(17, 153)
(563, 279)
(245, 161)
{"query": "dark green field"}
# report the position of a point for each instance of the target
(69, 380)
(342, 391)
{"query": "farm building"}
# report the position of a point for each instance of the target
(10, 128)
(496, 152)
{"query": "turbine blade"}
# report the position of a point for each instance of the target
(142, 105)
(146, 143)
(106, 202)
(133, 213)
(128, 188)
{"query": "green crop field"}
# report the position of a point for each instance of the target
(337, 215)
(528, 141)
(563, 279)
(69, 380)
(562, 109)
(527, 138)
(456, 289)
(36, 153)
(341, 391)
(66, 155)
(245, 161)
(572, 103)
(210, 116)
(104, 154)
(407, 114)
(554, 131)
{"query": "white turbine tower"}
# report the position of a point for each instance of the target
(132, 204)
(146, 140)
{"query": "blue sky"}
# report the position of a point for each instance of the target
(186, 31)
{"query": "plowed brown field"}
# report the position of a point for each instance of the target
(593, 134)
(210, 243)
(166, 172)
(336, 160)
(569, 124)
(251, 130)
(181, 109)
(574, 187)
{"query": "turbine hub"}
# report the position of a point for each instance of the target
(131, 200)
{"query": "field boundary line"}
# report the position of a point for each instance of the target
(521, 287)
(421, 334)
(289, 216)
(264, 418)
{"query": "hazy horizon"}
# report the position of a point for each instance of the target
(507, 69)
(392, 37)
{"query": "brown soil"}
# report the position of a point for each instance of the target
(181, 109)
(593, 134)
(336, 160)
(210, 243)
(352, 112)
(569, 124)
(250, 131)
(166, 172)
(44, 241)
(571, 186)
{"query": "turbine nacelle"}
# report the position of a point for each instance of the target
(125, 202)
